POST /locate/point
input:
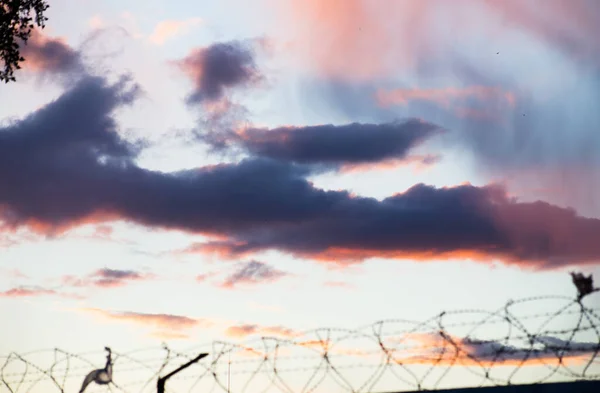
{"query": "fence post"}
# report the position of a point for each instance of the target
(160, 384)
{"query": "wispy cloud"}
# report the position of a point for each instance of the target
(252, 273)
(35, 291)
(166, 325)
(245, 330)
(106, 278)
(445, 96)
(169, 29)
(205, 276)
(339, 284)
(27, 291)
(13, 273)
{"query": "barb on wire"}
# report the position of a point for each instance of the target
(534, 340)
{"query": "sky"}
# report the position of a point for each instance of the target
(223, 170)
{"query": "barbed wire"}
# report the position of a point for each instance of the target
(517, 343)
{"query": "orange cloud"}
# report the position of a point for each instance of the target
(39, 227)
(349, 256)
(420, 162)
(168, 29)
(161, 321)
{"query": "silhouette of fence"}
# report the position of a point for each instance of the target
(534, 340)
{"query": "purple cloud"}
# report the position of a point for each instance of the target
(218, 68)
(252, 273)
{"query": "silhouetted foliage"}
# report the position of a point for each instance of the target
(17, 19)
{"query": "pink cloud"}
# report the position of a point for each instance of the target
(339, 284)
(168, 29)
(13, 273)
(446, 96)
(162, 321)
(363, 40)
(251, 329)
(27, 292)
(205, 276)
(35, 291)
(49, 54)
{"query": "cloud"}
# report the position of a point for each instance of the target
(169, 29)
(103, 232)
(252, 273)
(34, 291)
(339, 284)
(31, 291)
(13, 273)
(205, 276)
(76, 169)
(170, 335)
(525, 123)
(48, 55)
(241, 331)
(448, 349)
(218, 68)
(424, 222)
(445, 97)
(566, 25)
(363, 40)
(106, 278)
(161, 321)
(545, 142)
(337, 146)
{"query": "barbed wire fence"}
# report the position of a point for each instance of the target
(534, 340)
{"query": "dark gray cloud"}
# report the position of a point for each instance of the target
(546, 347)
(218, 68)
(330, 145)
(253, 272)
(543, 348)
(463, 221)
(66, 164)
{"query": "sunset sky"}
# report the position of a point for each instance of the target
(198, 170)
